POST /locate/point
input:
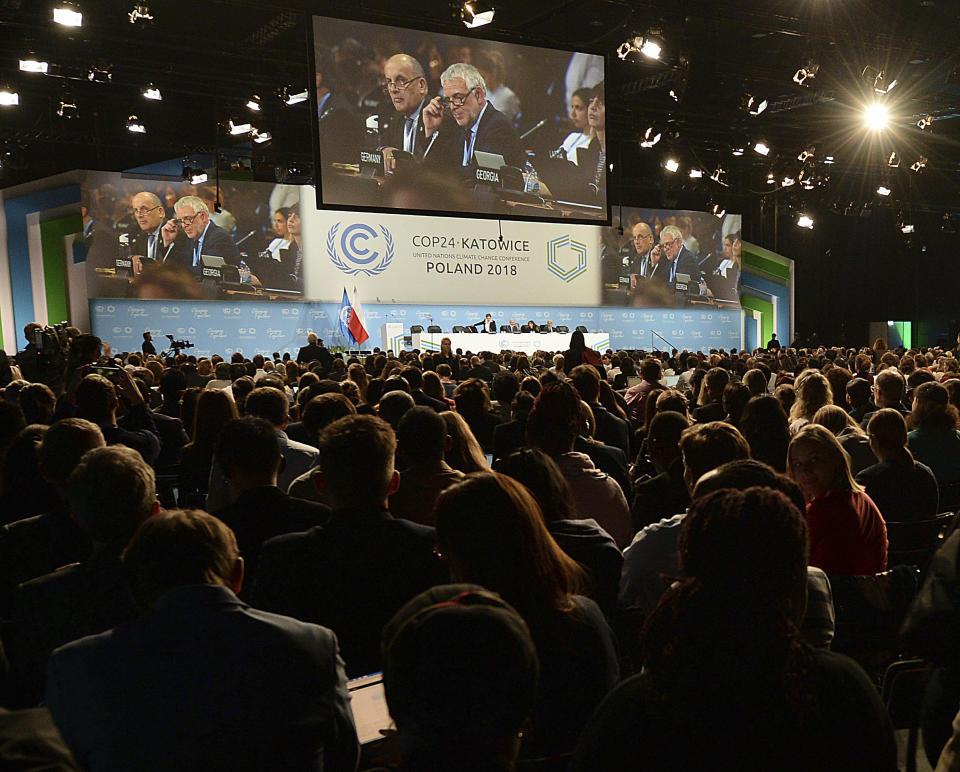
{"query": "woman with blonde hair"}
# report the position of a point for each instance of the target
(813, 392)
(852, 438)
(465, 452)
(358, 375)
(847, 532)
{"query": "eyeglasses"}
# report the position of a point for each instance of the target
(396, 85)
(457, 100)
(188, 220)
(141, 211)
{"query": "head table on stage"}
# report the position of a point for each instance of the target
(527, 342)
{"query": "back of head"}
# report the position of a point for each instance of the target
(586, 381)
(178, 548)
(888, 431)
(413, 377)
(714, 382)
(892, 387)
(505, 387)
(96, 398)
(173, 382)
(64, 445)
(837, 420)
(756, 381)
(472, 397)
(268, 403)
(421, 436)
(554, 422)
(111, 491)
(37, 401)
(492, 532)
(858, 390)
(651, 370)
(542, 477)
(393, 406)
(748, 473)
(214, 409)
(250, 447)
(356, 456)
(707, 446)
(323, 410)
(460, 673)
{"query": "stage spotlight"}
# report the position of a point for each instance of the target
(34, 65)
(651, 47)
(771, 178)
(696, 174)
(878, 79)
(254, 103)
(883, 190)
(9, 97)
(651, 136)
(805, 73)
(924, 122)
(737, 148)
(788, 182)
(894, 160)
(948, 224)
(805, 221)
(716, 209)
(671, 165)
(68, 14)
(876, 116)
(719, 176)
(752, 104)
(828, 159)
(68, 107)
(476, 14)
(920, 163)
(135, 125)
(806, 154)
(152, 92)
(261, 136)
(238, 126)
(907, 228)
(140, 13)
(292, 95)
(762, 148)
(100, 73)
(674, 95)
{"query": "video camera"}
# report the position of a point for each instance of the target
(178, 345)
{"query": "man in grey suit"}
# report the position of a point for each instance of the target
(200, 680)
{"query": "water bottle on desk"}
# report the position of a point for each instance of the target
(531, 183)
(245, 276)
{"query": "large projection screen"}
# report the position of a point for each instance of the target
(411, 121)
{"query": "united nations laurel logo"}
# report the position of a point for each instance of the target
(350, 253)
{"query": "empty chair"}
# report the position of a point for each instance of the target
(581, 328)
(434, 328)
(417, 328)
(950, 497)
(504, 328)
(469, 328)
(914, 542)
(562, 328)
(544, 328)
(458, 328)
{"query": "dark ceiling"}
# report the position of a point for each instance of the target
(207, 58)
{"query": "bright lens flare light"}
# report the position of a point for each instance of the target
(876, 116)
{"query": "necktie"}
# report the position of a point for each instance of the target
(408, 134)
(151, 246)
(468, 137)
(196, 254)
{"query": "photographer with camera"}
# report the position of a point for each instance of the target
(98, 399)
(42, 361)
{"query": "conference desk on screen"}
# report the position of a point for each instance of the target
(527, 342)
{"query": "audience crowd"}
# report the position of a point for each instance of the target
(557, 561)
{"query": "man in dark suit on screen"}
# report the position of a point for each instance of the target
(680, 259)
(482, 126)
(204, 237)
(152, 242)
(406, 84)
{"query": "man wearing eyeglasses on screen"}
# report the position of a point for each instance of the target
(204, 237)
(152, 243)
(482, 126)
(405, 83)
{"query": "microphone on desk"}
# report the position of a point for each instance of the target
(530, 131)
(245, 238)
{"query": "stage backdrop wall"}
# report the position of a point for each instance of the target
(266, 327)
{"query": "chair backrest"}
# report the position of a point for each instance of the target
(581, 328)
(950, 497)
(869, 612)
(913, 543)
(457, 328)
(562, 328)
(544, 328)
(434, 328)
(469, 328)
(504, 328)
(416, 328)
(527, 328)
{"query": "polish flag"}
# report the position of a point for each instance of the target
(352, 324)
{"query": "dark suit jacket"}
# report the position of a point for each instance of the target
(607, 459)
(216, 242)
(495, 134)
(172, 439)
(315, 353)
(611, 429)
(425, 400)
(173, 253)
(686, 263)
(351, 574)
(202, 681)
(391, 130)
(340, 131)
(509, 437)
(658, 497)
(260, 514)
(137, 430)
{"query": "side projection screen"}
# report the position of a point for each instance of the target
(441, 124)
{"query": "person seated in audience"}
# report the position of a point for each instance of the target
(472, 398)
(553, 426)
(653, 552)
(170, 431)
(414, 377)
(354, 572)
(852, 438)
(934, 436)
(214, 409)
(272, 405)
(452, 718)
(110, 493)
(651, 372)
(664, 492)
(97, 401)
(610, 428)
(902, 488)
(727, 683)
(464, 452)
(710, 402)
(859, 396)
(318, 414)
(735, 396)
(173, 382)
(503, 388)
(889, 390)
(38, 402)
(394, 404)
(764, 425)
(847, 532)
(512, 435)
(490, 531)
(434, 387)
(813, 392)
(756, 382)
(38, 545)
(583, 540)
(24, 491)
(200, 680)
(422, 440)
(250, 455)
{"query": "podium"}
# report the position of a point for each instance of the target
(391, 337)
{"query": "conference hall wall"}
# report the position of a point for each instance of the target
(403, 269)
